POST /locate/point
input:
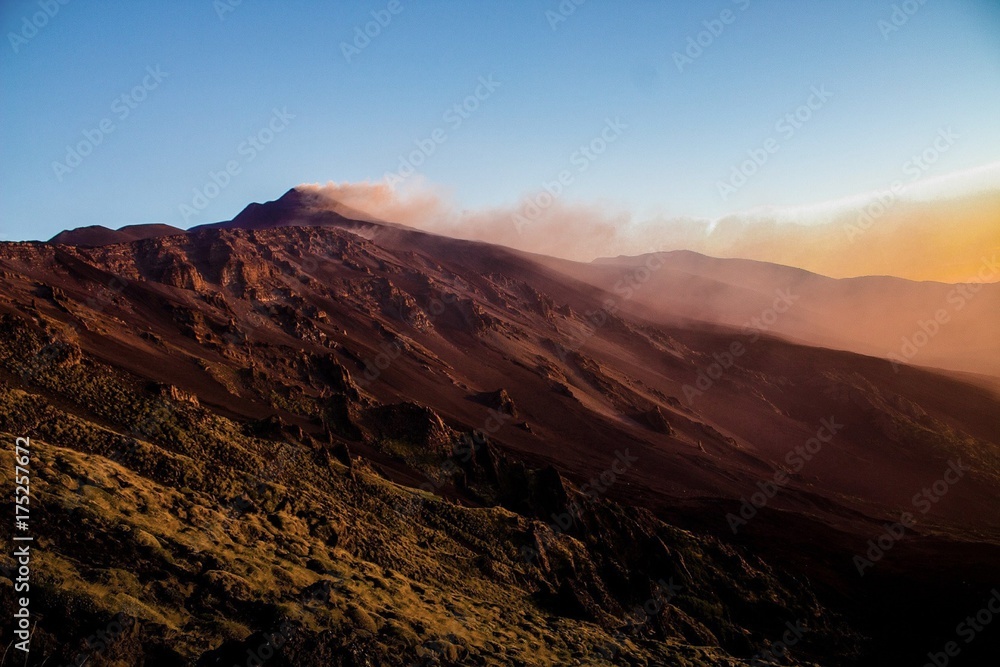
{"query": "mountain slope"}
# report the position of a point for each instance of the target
(98, 235)
(920, 323)
(407, 446)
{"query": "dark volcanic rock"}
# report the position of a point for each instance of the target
(411, 423)
(656, 420)
(500, 401)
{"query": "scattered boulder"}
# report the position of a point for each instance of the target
(274, 427)
(338, 420)
(655, 420)
(499, 400)
(410, 423)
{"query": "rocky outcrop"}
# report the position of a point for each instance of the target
(656, 421)
(410, 423)
(499, 400)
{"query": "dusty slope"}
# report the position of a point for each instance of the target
(393, 346)
(881, 316)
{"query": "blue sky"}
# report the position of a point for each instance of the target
(222, 74)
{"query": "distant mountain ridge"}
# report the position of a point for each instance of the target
(874, 315)
(294, 208)
(98, 235)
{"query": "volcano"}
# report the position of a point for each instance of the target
(350, 442)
